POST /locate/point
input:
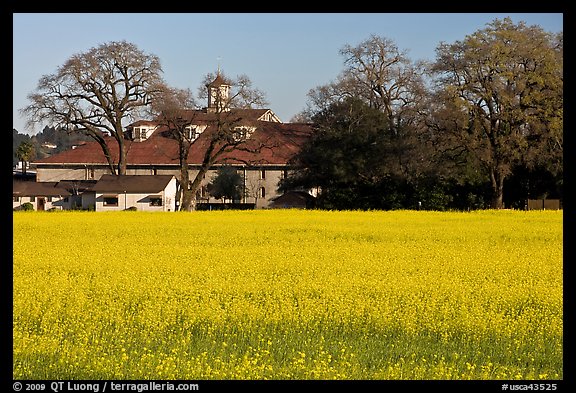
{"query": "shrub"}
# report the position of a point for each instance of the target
(27, 206)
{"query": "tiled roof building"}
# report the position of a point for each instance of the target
(263, 159)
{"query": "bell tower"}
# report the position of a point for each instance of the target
(218, 94)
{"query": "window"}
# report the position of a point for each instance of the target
(242, 133)
(32, 199)
(238, 134)
(110, 200)
(192, 132)
(262, 192)
(203, 191)
(263, 174)
(16, 199)
(155, 200)
(49, 199)
(90, 173)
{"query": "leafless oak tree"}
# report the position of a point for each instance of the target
(96, 93)
(377, 72)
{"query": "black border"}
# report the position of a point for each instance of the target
(362, 385)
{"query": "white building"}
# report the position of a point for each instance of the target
(144, 193)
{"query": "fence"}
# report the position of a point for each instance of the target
(225, 206)
(544, 204)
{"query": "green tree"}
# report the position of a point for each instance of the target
(226, 184)
(97, 93)
(348, 158)
(382, 76)
(25, 153)
(17, 139)
(500, 100)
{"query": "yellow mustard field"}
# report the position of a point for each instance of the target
(288, 294)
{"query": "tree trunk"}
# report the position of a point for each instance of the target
(188, 200)
(497, 180)
(191, 190)
(121, 157)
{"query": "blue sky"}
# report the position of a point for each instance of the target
(284, 54)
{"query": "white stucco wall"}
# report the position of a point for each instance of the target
(252, 176)
(140, 201)
(49, 202)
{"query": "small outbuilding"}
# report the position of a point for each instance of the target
(142, 192)
(42, 196)
(293, 200)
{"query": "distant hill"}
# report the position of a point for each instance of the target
(47, 142)
(17, 139)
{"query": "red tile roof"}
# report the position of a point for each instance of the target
(241, 116)
(271, 143)
(140, 184)
(219, 81)
(142, 123)
(32, 188)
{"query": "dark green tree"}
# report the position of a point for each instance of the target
(17, 139)
(25, 153)
(382, 76)
(349, 158)
(226, 184)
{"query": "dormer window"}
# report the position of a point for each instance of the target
(242, 133)
(140, 133)
(194, 131)
(141, 130)
(191, 133)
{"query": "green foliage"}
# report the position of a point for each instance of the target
(352, 159)
(17, 140)
(227, 184)
(501, 100)
(496, 112)
(344, 157)
(27, 206)
(62, 139)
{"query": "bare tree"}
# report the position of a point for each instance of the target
(171, 108)
(253, 188)
(379, 74)
(225, 129)
(96, 93)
